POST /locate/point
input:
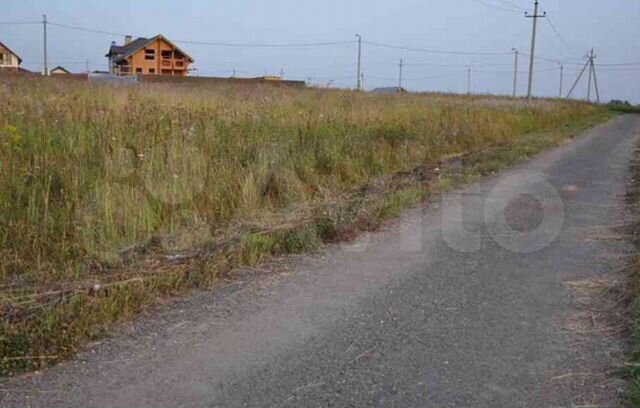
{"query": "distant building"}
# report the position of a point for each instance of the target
(389, 90)
(148, 56)
(59, 71)
(9, 60)
(270, 78)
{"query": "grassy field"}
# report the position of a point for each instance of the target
(111, 197)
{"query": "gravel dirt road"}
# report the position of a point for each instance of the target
(459, 303)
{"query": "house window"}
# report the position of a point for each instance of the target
(138, 70)
(149, 54)
(166, 72)
(166, 54)
(1, 58)
(152, 70)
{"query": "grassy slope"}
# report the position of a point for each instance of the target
(98, 185)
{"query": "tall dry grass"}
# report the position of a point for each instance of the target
(87, 170)
(111, 197)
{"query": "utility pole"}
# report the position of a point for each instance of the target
(281, 73)
(535, 16)
(233, 74)
(359, 79)
(590, 75)
(400, 75)
(515, 73)
(595, 78)
(588, 64)
(468, 79)
(88, 66)
(561, 79)
(45, 68)
(591, 56)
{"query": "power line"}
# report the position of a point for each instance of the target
(436, 76)
(329, 43)
(431, 51)
(555, 30)
(382, 78)
(88, 30)
(511, 4)
(612, 67)
(494, 6)
(550, 41)
(511, 72)
(19, 22)
(216, 44)
(430, 64)
(620, 69)
(574, 62)
(563, 61)
(622, 64)
(60, 62)
(265, 45)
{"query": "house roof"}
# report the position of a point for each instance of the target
(11, 51)
(122, 52)
(59, 68)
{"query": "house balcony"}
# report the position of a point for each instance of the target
(172, 63)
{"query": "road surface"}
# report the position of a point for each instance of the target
(443, 307)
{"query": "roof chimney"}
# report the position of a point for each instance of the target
(127, 39)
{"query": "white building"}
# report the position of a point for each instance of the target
(8, 59)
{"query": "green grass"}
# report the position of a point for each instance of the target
(624, 108)
(99, 184)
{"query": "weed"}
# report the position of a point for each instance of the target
(145, 191)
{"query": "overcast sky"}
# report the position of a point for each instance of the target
(612, 27)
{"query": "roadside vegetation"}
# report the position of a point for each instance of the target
(623, 107)
(632, 369)
(114, 197)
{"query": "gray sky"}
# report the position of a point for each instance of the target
(610, 26)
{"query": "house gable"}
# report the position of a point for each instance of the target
(59, 71)
(8, 58)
